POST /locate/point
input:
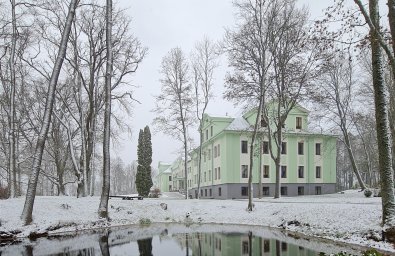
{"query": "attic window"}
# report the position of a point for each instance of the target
(298, 122)
(263, 122)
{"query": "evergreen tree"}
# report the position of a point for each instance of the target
(144, 158)
(147, 157)
(140, 169)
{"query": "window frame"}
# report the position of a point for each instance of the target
(283, 169)
(300, 190)
(299, 122)
(266, 168)
(244, 170)
(244, 191)
(283, 148)
(318, 146)
(300, 171)
(318, 170)
(244, 147)
(300, 148)
(265, 147)
(266, 191)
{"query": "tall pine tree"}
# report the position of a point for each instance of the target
(144, 158)
(147, 157)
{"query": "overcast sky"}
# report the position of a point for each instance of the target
(164, 24)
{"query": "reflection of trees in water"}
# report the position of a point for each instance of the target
(103, 243)
(145, 247)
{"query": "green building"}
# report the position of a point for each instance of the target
(308, 160)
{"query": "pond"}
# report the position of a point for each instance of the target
(177, 239)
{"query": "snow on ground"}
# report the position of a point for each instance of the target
(348, 217)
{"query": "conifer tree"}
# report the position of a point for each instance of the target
(144, 158)
(147, 157)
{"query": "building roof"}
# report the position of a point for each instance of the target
(238, 124)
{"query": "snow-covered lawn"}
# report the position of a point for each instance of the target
(348, 217)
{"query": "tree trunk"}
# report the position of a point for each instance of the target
(12, 140)
(382, 127)
(103, 208)
(250, 188)
(352, 159)
(37, 158)
(277, 160)
(200, 159)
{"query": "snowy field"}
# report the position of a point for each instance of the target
(348, 217)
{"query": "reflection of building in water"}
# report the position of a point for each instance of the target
(207, 244)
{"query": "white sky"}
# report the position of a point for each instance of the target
(164, 24)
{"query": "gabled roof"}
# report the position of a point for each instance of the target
(238, 124)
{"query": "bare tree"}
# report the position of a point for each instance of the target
(295, 63)
(204, 62)
(31, 191)
(174, 104)
(103, 207)
(248, 51)
(335, 93)
(274, 60)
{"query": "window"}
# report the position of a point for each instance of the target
(263, 122)
(300, 148)
(244, 147)
(244, 191)
(205, 192)
(219, 192)
(284, 246)
(211, 131)
(219, 173)
(211, 192)
(265, 147)
(298, 122)
(201, 192)
(283, 171)
(318, 149)
(169, 178)
(300, 172)
(244, 171)
(318, 190)
(318, 172)
(204, 156)
(245, 247)
(283, 148)
(206, 134)
(209, 154)
(215, 151)
(204, 176)
(265, 191)
(218, 150)
(209, 175)
(266, 171)
(300, 191)
(284, 191)
(266, 246)
(215, 173)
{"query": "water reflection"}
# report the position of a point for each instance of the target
(137, 241)
(145, 247)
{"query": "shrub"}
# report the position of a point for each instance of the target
(154, 193)
(368, 192)
(145, 221)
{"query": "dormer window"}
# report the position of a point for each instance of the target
(298, 122)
